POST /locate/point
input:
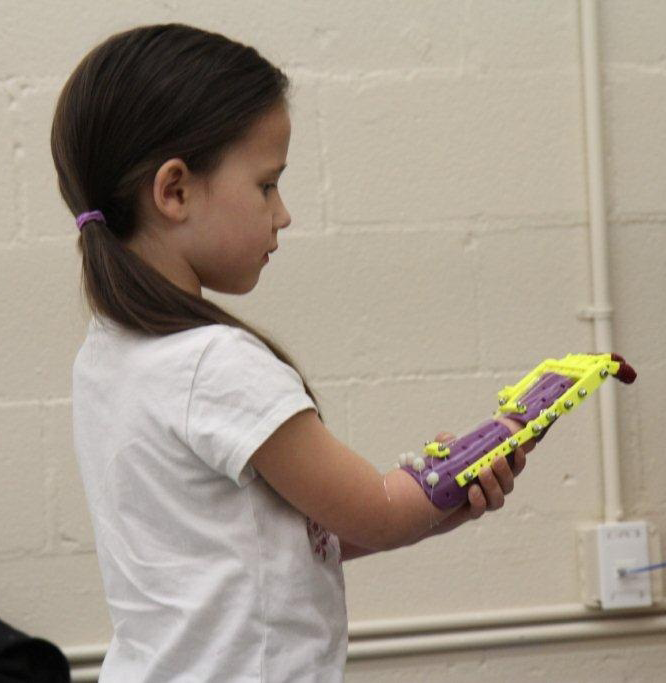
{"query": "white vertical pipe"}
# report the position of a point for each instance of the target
(601, 309)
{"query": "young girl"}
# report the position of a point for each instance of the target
(222, 506)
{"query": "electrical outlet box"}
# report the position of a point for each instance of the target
(605, 549)
(623, 546)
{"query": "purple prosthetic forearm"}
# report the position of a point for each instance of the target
(437, 475)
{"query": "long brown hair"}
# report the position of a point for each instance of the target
(141, 97)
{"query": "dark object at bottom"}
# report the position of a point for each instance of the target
(26, 659)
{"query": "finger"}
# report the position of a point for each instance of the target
(519, 461)
(503, 474)
(443, 437)
(477, 501)
(529, 445)
(491, 489)
(625, 372)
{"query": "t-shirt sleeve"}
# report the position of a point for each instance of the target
(241, 393)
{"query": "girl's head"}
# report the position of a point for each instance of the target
(170, 131)
(178, 136)
(216, 230)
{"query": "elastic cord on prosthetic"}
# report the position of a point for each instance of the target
(394, 489)
(437, 476)
(433, 473)
(415, 515)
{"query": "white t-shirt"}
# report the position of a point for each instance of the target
(209, 574)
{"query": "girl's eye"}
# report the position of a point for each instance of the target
(269, 185)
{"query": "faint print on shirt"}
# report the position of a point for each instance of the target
(319, 539)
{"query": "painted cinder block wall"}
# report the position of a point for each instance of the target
(439, 249)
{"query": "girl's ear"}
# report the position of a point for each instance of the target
(174, 189)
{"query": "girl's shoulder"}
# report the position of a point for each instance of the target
(227, 344)
(108, 340)
(100, 325)
(204, 349)
(227, 338)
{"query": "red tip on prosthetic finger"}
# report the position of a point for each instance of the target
(626, 373)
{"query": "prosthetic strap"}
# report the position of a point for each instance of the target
(553, 388)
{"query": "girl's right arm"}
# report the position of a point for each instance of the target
(322, 478)
(487, 496)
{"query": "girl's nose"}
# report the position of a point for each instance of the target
(285, 218)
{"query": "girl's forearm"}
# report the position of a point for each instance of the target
(460, 516)
(349, 551)
(442, 521)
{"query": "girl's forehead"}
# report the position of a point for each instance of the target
(264, 146)
(269, 138)
(273, 129)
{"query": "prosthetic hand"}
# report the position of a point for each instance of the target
(552, 389)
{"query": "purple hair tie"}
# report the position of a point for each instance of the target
(83, 218)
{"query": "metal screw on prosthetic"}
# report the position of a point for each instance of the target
(552, 389)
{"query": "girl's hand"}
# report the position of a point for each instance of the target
(496, 481)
